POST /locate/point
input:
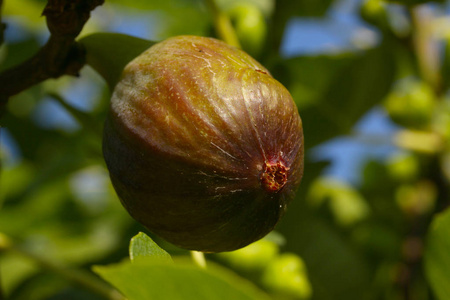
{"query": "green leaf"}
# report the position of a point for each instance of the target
(15, 53)
(336, 269)
(346, 203)
(437, 258)
(142, 246)
(252, 258)
(155, 280)
(109, 53)
(287, 275)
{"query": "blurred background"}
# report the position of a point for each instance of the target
(370, 79)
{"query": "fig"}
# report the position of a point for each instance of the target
(250, 26)
(204, 147)
(411, 103)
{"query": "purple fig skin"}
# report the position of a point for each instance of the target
(203, 146)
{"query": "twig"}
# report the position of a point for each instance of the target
(79, 277)
(223, 25)
(199, 259)
(426, 47)
(61, 55)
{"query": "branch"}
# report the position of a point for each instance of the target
(61, 55)
(199, 259)
(426, 47)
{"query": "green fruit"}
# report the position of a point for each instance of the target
(252, 258)
(287, 276)
(441, 120)
(250, 26)
(375, 12)
(411, 104)
(203, 146)
(403, 167)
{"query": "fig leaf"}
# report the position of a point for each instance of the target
(109, 53)
(142, 246)
(155, 280)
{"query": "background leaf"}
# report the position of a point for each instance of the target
(357, 242)
(333, 93)
(437, 255)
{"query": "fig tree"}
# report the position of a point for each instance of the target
(203, 146)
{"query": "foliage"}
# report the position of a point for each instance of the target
(384, 236)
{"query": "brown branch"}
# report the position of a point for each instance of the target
(61, 55)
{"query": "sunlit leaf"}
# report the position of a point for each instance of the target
(251, 258)
(344, 201)
(152, 280)
(142, 246)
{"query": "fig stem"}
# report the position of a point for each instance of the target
(199, 259)
(79, 277)
(222, 24)
(426, 47)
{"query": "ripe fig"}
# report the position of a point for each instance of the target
(203, 146)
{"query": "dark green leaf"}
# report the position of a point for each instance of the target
(437, 255)
(327, 254)
(333, 93)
